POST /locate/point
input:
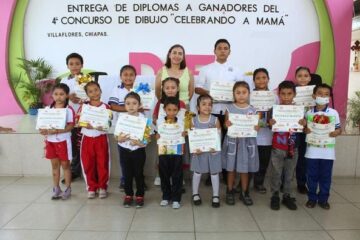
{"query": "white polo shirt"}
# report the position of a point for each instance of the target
(60, 137)
(70, 81)
(118, 95)
(218, 72)
(318, 152)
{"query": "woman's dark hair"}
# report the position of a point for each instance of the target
(172, 100)
(302, 68)
(63, 87)
(287, 84)
(74, 55)
(222, 40)
(259, 70)
(91, 83)
(168, 60)
(133, 95)
(125, 67)
(315, 79)
(163, 96)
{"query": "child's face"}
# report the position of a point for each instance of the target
(241, 94)
(322, 92)
(128, 77)
(75, 66)
(303, 77)
(261, 81)
(171, 111)
(59, 96)
(205, 106)
(222, 52)
(286, 96)
(176, 56)
(170, 89)
(93, 92)
(132, 105)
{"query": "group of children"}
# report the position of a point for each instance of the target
(250, 156)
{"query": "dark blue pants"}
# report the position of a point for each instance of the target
(122, 167)
(301, 162)
(319, 172)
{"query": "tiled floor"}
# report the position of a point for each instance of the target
(26, 212)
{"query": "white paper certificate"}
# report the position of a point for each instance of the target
(222, 91)
(95, 116)
(262, 100)
(242, 125)
(319, 135)
(147, 99)
(287, 118)
(51, 118)
(170, 134)
(204, 139)
(304, 96)
(80, 92)
(132, 125)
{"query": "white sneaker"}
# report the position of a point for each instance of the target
(175, 205)
(164, 203)
(91, 195)
(157, 181)
(102, 193)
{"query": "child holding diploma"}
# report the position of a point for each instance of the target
(94, 148)
(303, 78)
(284, 154)
(320, 159)
(206, 162)
(133, 155)
(117, 103)
(58, 142)
(240, 154)
(170, 159)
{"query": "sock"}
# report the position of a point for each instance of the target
(215, 184)
(196, 182)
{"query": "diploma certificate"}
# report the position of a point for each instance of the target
(204, 139)
(287, 118)
(242, 125)
(222, 91)
(170, 134)
(262, 100)
(95, 116)
(132, 125)
(304, 96)
(51, 118)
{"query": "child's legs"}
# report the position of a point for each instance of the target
(67, 172)
(138, 168)
(88, 162)
(264, 158)
(215, 182)
(301, 163)
(102, 161)
(55, 165)
(277, 166)
(164, 172)
(325, 174)
(244, 178)
(128, 171)
(196, 182)
(230, 179)
(313, 168)
(177, 178)
(121, 161)
(75, 142)
(289, 169)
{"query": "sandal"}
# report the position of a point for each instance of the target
(215, 204)
(197, 201)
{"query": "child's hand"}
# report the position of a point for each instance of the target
(184, 133)
(272, 122)
(302, 122)
(123, 137)
(228, 123)
(43, 131)
(89, 126)
(74, 98)
(141, 109)
(157, 136)
(307, 130)
(212, 151)
(198, 151)
(135, 142)
(334, 133)
(100, 128)
(257, 128)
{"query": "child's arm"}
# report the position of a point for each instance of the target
(117, 108)
(191, 86)
(158, 84)
(123, 138)
(335, 133)
(73, 98)
(227, 121)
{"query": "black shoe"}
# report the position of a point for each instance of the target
(324, 205)
(217, 203)
(208, 181)
(245, 197)
(275, 202)
(230, 197)
(302, 189)
(310, 204)
(289, 202)
(260, 189)
(198, 201)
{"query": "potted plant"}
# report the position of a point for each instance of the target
(37, 90)
(354, 110)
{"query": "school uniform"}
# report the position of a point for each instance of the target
(95, 157)
(320, 162)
